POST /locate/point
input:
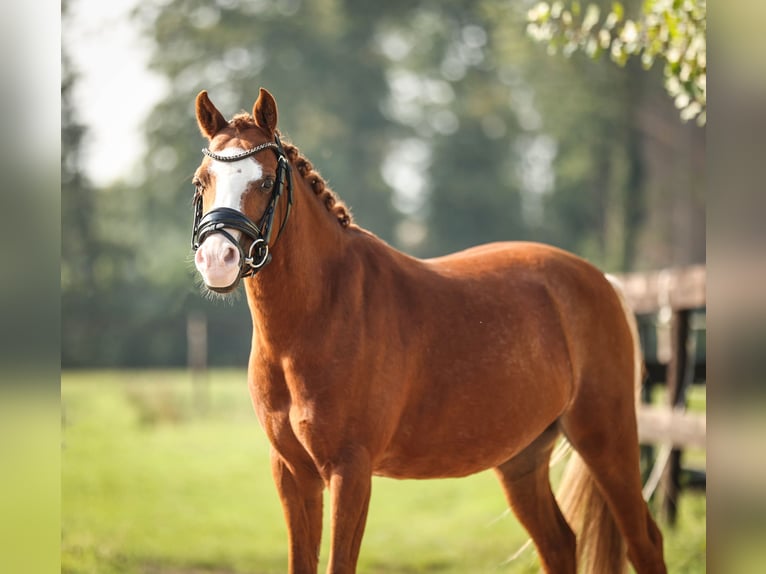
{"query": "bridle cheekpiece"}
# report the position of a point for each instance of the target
(219, 219)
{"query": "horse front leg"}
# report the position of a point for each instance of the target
(350, 489)
(300, 490)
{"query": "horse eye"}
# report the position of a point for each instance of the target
(267, 184)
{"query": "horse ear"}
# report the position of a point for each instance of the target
(265, 112)
(209, 119)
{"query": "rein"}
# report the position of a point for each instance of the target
(218, 219)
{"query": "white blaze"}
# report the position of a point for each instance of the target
(232, 179)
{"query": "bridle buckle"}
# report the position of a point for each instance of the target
(258, 254)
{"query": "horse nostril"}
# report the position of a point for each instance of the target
(200, 258)
(229, 255)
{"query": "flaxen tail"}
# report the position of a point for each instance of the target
(600, 546)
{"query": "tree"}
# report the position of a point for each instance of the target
(506, 156)
(673, 31)
(79, 245)
(440, 123)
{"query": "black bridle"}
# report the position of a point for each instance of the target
(219, 219)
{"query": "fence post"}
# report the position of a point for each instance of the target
(196, 338)
(676, 389)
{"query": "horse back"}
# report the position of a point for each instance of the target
(537, 281)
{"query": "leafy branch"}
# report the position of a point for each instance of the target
(669, 30)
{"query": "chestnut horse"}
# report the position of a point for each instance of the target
(366, 361)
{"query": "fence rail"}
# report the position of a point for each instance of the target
(677, 289)
(678, 428)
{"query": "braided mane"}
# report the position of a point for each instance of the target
(318, 185)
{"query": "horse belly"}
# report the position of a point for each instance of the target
(463, 433)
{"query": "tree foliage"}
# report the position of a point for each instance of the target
(673, 31)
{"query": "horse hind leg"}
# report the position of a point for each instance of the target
(601, 490)
(527, 488)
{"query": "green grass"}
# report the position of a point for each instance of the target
(158, 479)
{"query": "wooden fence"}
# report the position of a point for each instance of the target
(670, 296)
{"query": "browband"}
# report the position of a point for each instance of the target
(241, 155)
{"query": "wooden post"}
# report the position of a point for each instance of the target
(676, 389)
(196, 338)
(647, 450)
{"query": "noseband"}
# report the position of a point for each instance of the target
(218, 219)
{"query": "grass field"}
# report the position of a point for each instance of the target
(160, 478)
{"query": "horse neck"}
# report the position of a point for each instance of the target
(294, 284)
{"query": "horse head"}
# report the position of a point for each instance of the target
(238, 187)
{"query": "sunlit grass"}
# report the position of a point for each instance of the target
(158, 477)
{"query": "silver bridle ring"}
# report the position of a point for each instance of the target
(249, 260)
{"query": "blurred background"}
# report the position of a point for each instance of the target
(443, 124)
